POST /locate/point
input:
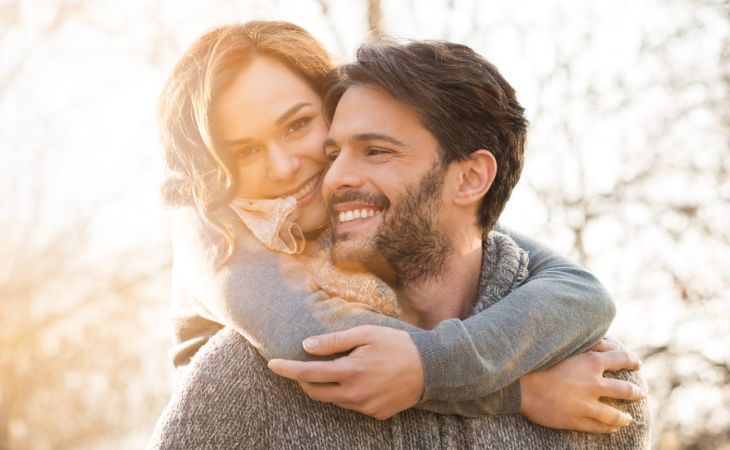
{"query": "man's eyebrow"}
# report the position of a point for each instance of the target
(375, 137)
(290, 112)
(329, 142)
(283, 118)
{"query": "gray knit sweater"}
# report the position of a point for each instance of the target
(231, 400)
(559, 310)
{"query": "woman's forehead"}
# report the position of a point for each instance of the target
(259, 97)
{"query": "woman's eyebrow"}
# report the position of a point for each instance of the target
(238, 142)
(283, 118)
(290, 112)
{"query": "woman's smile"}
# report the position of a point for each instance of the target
(279, 114)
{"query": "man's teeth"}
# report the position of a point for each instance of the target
(353, 214)
(307, 188)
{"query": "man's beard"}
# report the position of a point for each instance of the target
(410, 245)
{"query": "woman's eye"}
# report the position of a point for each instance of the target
(248, 153)
(297, 125)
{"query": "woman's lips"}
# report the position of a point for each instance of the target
(309, 191)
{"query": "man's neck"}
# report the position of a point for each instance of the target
(452, 294)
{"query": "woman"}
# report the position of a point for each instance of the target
(243, 132)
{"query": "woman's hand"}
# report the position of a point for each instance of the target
(567, 395)
(380, 377)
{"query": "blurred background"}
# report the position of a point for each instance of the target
(628, 172)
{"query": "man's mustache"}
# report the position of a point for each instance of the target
(378, 200)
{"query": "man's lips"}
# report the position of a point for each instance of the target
(351, 211)
(352, 207)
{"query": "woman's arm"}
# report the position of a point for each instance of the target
(561, 309)
(248, 294)
(260, 293)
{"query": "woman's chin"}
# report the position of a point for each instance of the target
(310, 223)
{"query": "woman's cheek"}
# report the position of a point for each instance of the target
(315, 143)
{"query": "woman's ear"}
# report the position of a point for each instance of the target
(476, 177)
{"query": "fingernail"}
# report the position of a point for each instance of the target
(310, 344)
(627, 419)
(637, 392)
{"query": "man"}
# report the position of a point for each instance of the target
(428, 139)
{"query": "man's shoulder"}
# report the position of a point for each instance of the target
(229, 396)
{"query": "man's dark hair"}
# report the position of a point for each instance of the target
(460, 98)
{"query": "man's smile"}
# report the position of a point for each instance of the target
(348, 216)
(356, 214)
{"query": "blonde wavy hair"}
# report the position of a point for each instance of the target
(199, 173)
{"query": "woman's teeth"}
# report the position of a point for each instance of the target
(353, 214)
(307, 188)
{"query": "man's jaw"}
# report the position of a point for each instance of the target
(354, 250)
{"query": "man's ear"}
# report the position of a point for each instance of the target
(476, 176)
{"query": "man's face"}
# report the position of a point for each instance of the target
(384, 189)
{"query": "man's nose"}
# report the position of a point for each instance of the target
(343, 173)
(283, 163)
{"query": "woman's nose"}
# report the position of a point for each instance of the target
(283, 163)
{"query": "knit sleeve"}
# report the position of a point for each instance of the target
(473, 366)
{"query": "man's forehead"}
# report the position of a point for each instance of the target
(366, 109)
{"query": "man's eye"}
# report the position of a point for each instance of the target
(297, 125)
(374, 151)
(332, 156)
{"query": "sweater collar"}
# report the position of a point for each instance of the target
(272, 221)
(504, 267)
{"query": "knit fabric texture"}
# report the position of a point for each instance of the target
(471, 367)
(230, 400)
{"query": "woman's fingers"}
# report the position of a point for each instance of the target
(594, 426)
(621, 390)
(308, 371)
(603, 346)
(609, 416)
(338, 342)
(615, 360)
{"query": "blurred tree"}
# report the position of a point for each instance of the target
(75, 337)
(375, 19)
(627, 170)
(81, 355)
(650, 203)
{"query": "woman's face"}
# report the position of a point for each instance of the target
(270, 120)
